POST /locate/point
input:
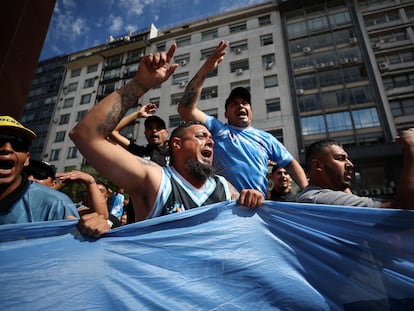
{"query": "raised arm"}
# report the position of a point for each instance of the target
(98, 202)
(188, 105)
(144, 112)
(405, 188)
(140, 178)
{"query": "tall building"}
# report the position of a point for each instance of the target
(316, 69)
(41, 101)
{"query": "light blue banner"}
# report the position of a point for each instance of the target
(282, 256)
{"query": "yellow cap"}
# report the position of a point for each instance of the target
(10, 125)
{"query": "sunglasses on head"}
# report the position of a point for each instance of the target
(19, 144)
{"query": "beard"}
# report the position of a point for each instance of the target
(199, 170)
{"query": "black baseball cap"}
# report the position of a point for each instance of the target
(156, 119)
(239, 92)
(40, 169)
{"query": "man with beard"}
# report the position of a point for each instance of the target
(23, 200)
(330, 174)
(155, 132)
(242, 152)
(154, 190)
(282, 185)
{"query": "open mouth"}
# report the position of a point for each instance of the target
(6, 164)
(242, 113)
(206, 153)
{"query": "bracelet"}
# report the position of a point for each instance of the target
(141, 86)
(91, 182)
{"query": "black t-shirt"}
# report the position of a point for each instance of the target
(158, 155)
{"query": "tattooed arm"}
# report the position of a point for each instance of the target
(188, 105)
(140, 178)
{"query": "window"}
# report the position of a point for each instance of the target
(272, 105)
(364, 118)
(161, 47)
(209, 34)
(402, 107)
(176, 98)
(72, 153)
(73, 87)
(54, 155)
(175, 121)
(239, 66)
(268, 61)
(207, 52)
(86, 99)
(60, 136)
(135, 55)
(238, 47)
(81, 114)
(184, 41)
(155, 100)
(237, 27)
(92, 68)
(381, 18)
(208, 92)
(114, 60)
(340, 121)
(313, 125)
(182, 59)
(309, 102)
(180, 78)
(64, 119)
(89, 83)
(264, 20)
(75, 72)
(266, 39)
(270, 81)
(68, 102)
(245, 84)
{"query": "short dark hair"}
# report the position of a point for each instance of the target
(179, 132)
(317, 148)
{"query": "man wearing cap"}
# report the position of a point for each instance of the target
(241, 152)
(155, 132)
(23, 200)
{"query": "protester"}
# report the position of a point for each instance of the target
(282, 185)
(154, 190)
(41, 172)
(331, 171)
(23, 200)
(155, 132)
(241, 151)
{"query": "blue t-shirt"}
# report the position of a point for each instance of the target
(39, 203)
(242, 155)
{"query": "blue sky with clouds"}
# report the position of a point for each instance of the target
(80, 24)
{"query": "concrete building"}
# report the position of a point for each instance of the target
(316, 69)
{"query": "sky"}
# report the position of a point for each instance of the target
(80, 24)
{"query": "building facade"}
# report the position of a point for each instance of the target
(316, 69)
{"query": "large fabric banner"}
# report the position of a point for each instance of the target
(281, 256)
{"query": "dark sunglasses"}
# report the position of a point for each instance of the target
(19, 144)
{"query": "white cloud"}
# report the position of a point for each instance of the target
(116, 23)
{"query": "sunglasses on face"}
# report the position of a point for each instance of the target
(19, 144)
